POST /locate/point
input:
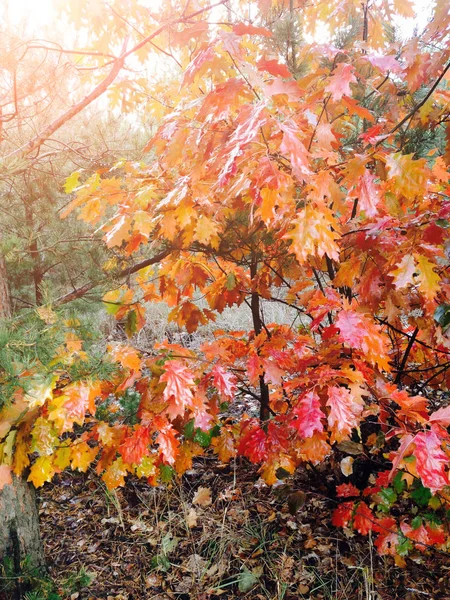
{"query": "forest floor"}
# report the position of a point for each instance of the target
(235, 538)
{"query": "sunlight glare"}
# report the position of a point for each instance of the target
(33, 14)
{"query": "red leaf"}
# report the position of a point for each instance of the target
(292, 147)
(242, 29)
(368, 194)
(135, 447)
(431, 461)
(274, 68)
(387, 540)
(343, 514)
(168, 443)
(363, 521)
(434, 234)
(308, 415)
(178, 391)
(253, 443)
(359, 332)
(399, 454)
(441, 416)
(344, 412)
(346, 490)
(339, 84)
(224, 381)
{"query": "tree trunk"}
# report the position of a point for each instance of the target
(5, 298)
(264, 396)
(19, 519)
(34, 252)
(19, 533)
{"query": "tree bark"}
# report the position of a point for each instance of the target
(34, 252)
(5, 298)
(19, 519)
(19, 532)
(264, 407)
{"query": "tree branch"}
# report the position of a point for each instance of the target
(87, 287)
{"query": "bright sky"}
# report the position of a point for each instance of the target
(40, 13)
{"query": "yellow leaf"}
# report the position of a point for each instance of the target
(403, 274)
(38, 394)
(43, 437)
(42, 471)
(429, 281)
(72, 182)
(47, 315)
(269, 201)
(270, 468)
(147, 467)
(8, 448)
(314, 234)
(21, 459)
(206, 232)
(81, 456)
(114, 474)
(224, 445)
(408, 176)
(62, 455)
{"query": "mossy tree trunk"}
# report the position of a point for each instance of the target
(19, 520)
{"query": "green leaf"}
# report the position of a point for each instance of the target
(203, 438)
(247, 580)
(189, 430)
(160, 563)
(416, 522)
(169, 543)
(432, 518)
(387, 496)
(131, 323)
(398, 483)
(442, 223)
(421, 495)
(166, 473)
(442, 315)
(230, 283)
(404, 547)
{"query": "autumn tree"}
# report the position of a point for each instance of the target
(264, 187)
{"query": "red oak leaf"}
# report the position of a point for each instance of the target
(359, 332)
(168, 443)
(431, 460)
(224, 381)
(253, 443)
(242, 29)
(178, 391)
(347, 490)
(364, 519)
(345, 411)
(342, 514)
(343, 76)
(274, 68)
(308, 415)
(135, 447)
